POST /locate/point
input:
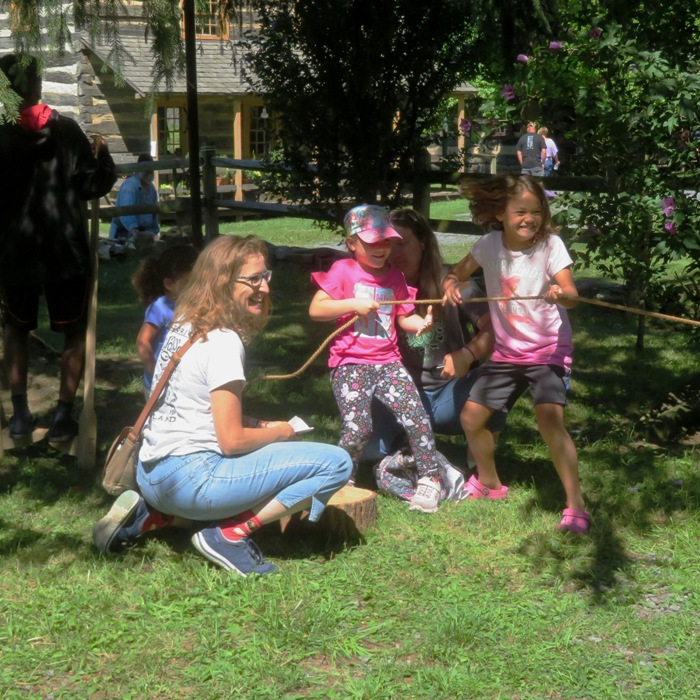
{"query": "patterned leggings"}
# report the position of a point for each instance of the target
(355, 385)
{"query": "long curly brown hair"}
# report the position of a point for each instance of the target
(207, 301)
(489, 199)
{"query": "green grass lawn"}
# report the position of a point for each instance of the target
(481, 600)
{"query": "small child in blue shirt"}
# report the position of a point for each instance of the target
(159, 280)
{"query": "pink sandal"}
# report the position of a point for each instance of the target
(577, 521)
(475, 489)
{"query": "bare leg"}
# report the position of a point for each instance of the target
(474, 418)
(72, 364)
(16, 348)
(273, 510)
(550, 420)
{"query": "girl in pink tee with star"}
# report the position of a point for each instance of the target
(521, 257)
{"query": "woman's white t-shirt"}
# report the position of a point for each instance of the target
(182, 422)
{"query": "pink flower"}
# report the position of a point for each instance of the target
(550, 195)
(668, 206)
(595, 33)
(508, 92)
(670, 226)
(555, 45)
(465, 126)
(522, 58)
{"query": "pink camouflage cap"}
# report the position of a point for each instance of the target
(370, 223)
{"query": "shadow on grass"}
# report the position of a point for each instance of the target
(37, 547)
(627, 488)
(46, 473)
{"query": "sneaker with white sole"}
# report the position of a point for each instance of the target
(112, 532)
(241, 556)
(129, 518)
(427, 496)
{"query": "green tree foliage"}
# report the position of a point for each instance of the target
(355, 82)
(631, 97)
(360, 83)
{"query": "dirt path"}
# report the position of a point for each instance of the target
(116, 403)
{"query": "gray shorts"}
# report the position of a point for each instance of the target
(500, 384)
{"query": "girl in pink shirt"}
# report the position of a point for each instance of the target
(520, 257)
(365, 359)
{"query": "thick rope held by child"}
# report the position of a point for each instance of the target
(571, 297)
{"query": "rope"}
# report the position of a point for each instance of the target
(570, 297)
(631, 309)
(320, 349)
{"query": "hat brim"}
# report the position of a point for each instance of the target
(374, 235)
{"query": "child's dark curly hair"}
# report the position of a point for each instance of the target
(176, 260)
(489, 199)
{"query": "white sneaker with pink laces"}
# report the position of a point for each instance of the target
(427, 496)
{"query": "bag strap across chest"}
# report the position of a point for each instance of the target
(138, 426)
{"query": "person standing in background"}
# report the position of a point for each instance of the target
(50, 168)
(551, 159)
(531, 150)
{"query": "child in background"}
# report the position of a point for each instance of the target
(159, 280)
(520, 256)
(364, 359)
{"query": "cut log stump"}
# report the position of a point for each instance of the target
(349, 514)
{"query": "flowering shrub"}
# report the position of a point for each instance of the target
(633, 112)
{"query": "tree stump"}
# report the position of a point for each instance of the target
(350, 512)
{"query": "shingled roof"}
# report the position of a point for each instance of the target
(218, 67)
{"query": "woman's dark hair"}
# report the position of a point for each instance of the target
(23, 73)
(430, 270)
(489, 199)
(176, 260)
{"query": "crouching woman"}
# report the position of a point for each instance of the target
(202, 457)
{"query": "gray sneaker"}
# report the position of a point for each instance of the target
(108, 533)
(427, 496)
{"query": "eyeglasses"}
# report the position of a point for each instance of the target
(256, 280)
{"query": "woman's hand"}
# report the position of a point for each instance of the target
(457, 363)
(237, 433)
(286, 431)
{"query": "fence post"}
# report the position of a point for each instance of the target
(211, 214)
(421, 184)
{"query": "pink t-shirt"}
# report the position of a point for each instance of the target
(529, 332)
(370, 340)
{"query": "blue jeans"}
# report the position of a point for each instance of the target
(443, 407)
(537, 171)
(209, 486)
